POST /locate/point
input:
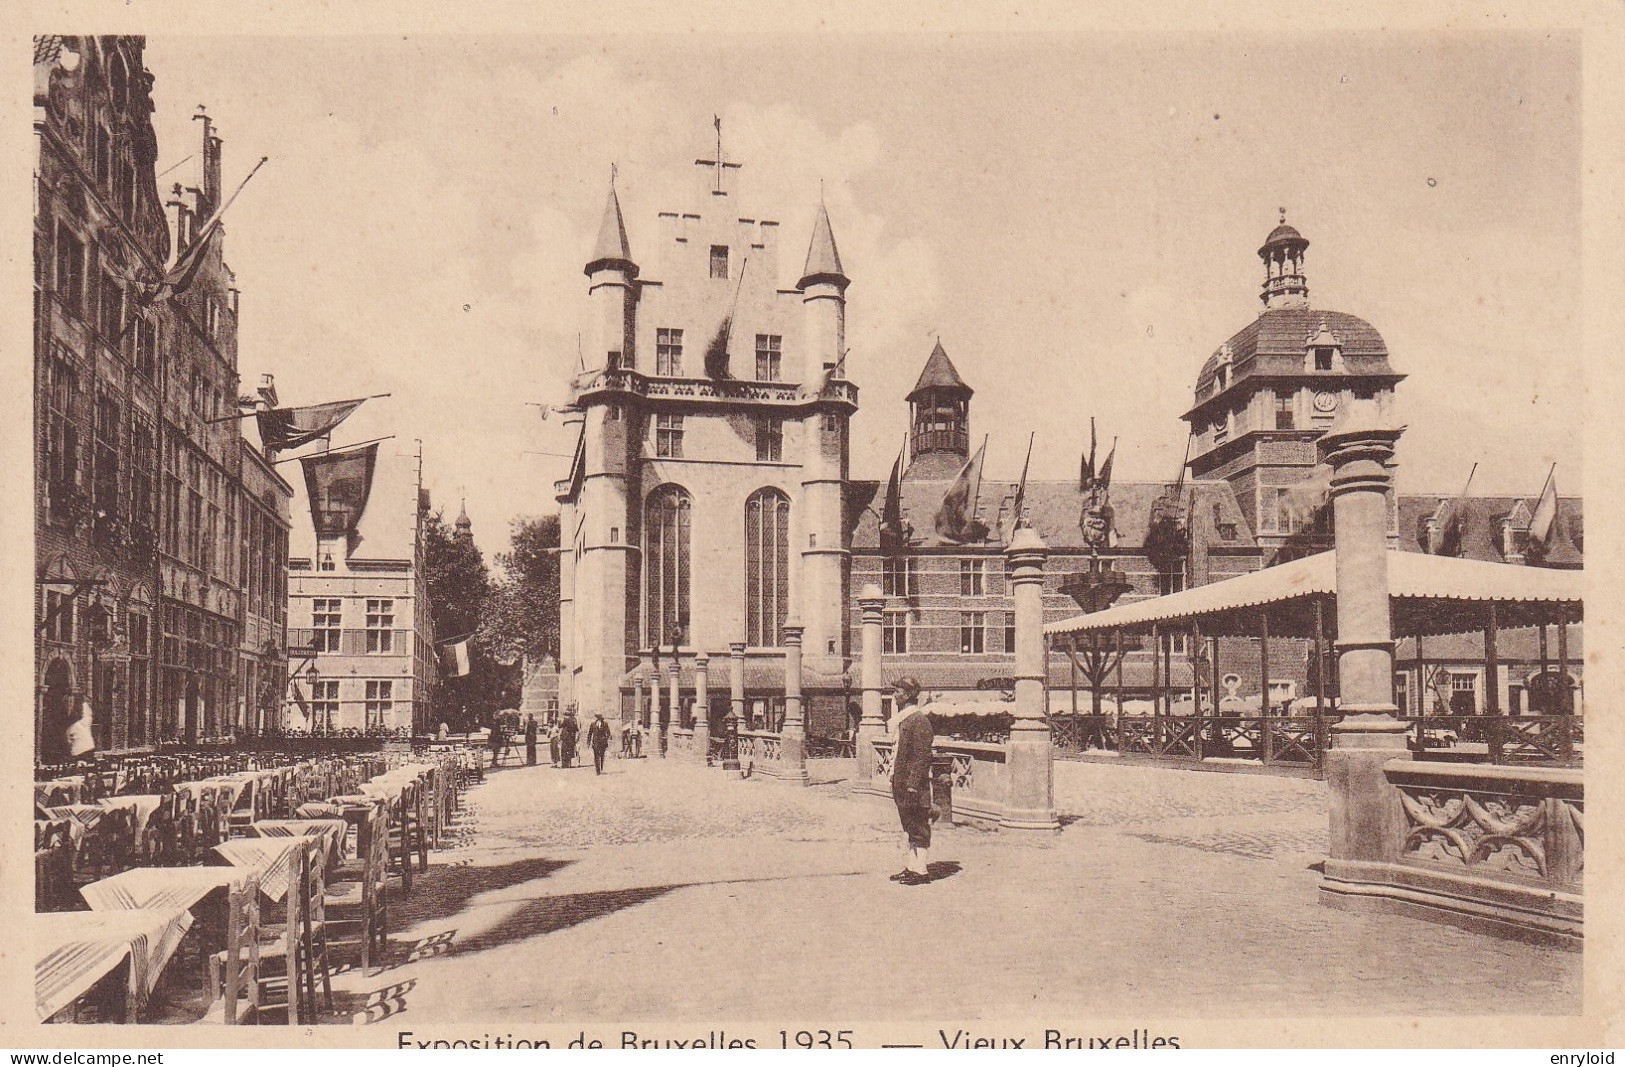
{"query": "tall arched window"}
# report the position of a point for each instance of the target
(767, 566)
(667, 516)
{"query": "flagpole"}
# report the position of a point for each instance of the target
(331, 451)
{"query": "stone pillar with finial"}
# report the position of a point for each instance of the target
(1365, 815)
(871, 726)
(675, 717)
(702, 709)
(793, 736)
(736, 699)
(1028, 762)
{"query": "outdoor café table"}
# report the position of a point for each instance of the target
(74, 786)
(270, 856)
(76, 949)
(142, 804)
(158, 887)
(331, 829)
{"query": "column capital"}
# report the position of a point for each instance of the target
(701, 661)
(1026, 552)
(793, 632)
(871, 600)
(736, 648)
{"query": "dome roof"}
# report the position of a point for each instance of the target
(1281, 233)
(1275, 342)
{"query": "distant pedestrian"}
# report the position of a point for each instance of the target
(530, 740)
(598, 741)
(626, 740)
(553, 744)
(499, 742)
(567, 740)
(637, 740)
(911, 780)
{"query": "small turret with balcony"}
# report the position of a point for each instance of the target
(939, 420)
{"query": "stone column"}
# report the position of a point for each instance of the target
(675, 717)
(736, 709)
(653, 744)
(1028, 761)
(702, 709)
(793, 738)
(1366, 820)
(870, 726)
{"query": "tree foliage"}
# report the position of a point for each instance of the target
(461, 599)
(523, 619)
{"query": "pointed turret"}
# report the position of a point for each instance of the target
(465, 525)
(939, 419)
(823, 259)
(611, 250)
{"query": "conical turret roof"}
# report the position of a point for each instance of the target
(611, 249)
(939, 374)
(823, 259)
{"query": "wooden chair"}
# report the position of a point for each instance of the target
(53, 866)
(292, 952)
(357, 899)
(234, 972)
(109, 847)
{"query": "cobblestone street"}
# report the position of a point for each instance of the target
(664, 890)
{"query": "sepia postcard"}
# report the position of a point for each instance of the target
(697, 529)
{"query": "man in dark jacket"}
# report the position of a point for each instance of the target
(567, 740)
(598, 741)
(911, 779)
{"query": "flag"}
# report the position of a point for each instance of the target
(1086, 469)
(178, 278)
(1544, 519)
(1450, 522)
(1104, 478)
(1021, 487)
(338, 484)
(891, 511)
(454, 658)
(285, 428)
(716, 353)
(956, 518)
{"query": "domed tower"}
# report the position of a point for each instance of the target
(465, 525)
(938, 419)
(1274, 389)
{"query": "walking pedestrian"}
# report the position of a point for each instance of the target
(911, 779)
(598, 741)
(553, 744)
(567, 740)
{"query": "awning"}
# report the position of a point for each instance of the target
(1429, 595)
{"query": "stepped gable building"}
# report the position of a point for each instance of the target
(710, 500)
(704, 504)
(361, 640)
(160, 535)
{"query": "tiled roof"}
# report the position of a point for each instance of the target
(611, 247)
(1276, 341)
(1481, 538)
(1053, 509)
(939, 372)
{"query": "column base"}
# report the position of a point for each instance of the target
(1030, 821)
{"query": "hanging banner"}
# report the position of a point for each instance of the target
(338, 484)
(282, 429)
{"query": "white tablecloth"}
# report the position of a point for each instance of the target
(75, 949)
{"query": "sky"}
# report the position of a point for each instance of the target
(1075, 216)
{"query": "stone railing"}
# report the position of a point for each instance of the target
(759, 749)
(1496, 848)
(682, 741)
(972, 771)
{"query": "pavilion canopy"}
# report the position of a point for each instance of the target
(1429, 595)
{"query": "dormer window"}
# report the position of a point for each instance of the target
(1325, 351)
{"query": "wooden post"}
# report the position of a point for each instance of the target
(1320, 679)
(1072, 661)
(1492, 685)
(1264, 686)
(1156, 663)
(1213, 671)
(1117, 717)
(1567, 691)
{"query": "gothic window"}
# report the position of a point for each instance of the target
(667, 518)
(669, 436)
(669, 352)
(769, 439)
(719, 261)
(768, 353)
(767, 567)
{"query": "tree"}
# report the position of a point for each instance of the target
(460, 598)
(523, 619)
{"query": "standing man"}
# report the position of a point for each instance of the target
(598, 741)
(567, 740)
(530, 740)
(911, 779)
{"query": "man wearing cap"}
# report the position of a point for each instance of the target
(911, 779)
